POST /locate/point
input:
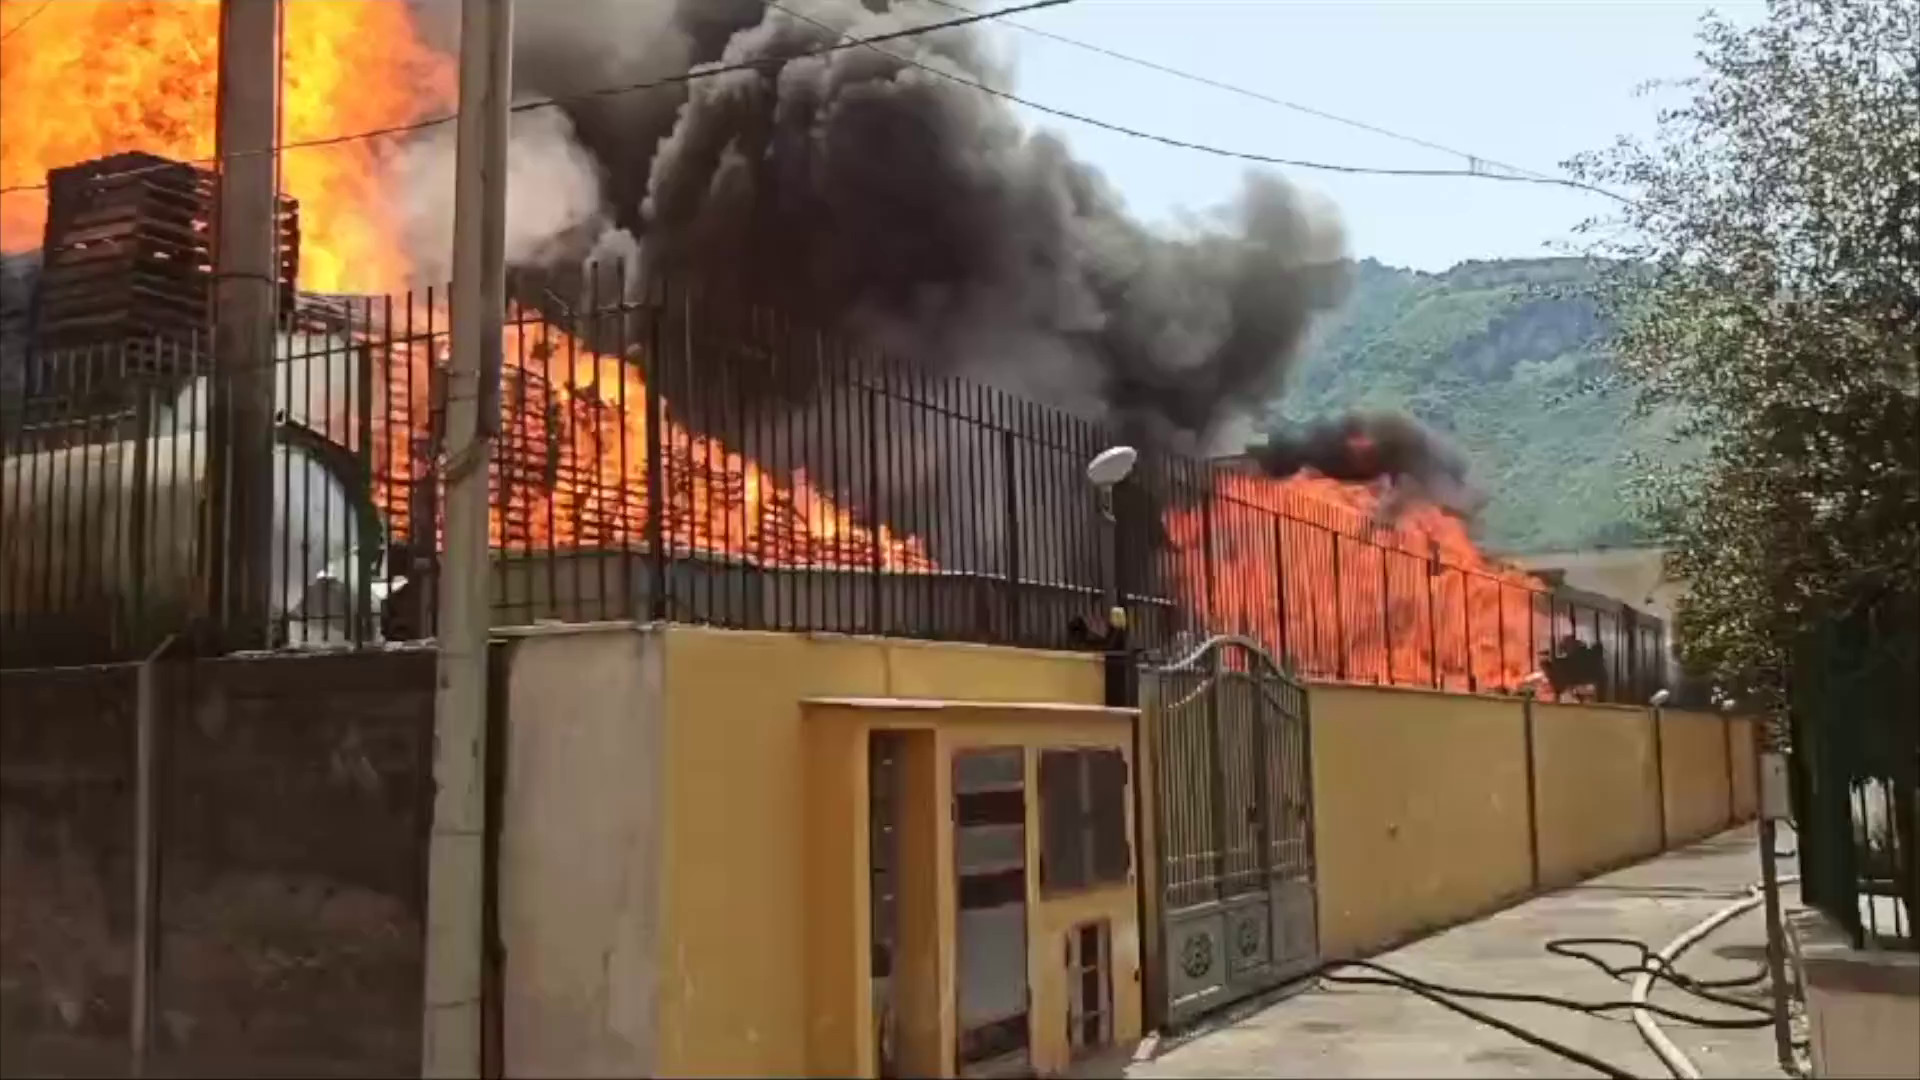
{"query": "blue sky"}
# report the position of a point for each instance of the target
(1528, 83)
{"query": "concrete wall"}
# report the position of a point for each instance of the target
(1421, 811)
(1421, 802)
(1596, 789)
(1862, 1005)
(707, 812)
(1744, 734)
(1693, 755)
(579, 854)
(693, 763)
(839, 916)
(292, 795)
(67, 780)
(732, 783)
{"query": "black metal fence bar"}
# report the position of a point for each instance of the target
(1855, 743)
(667, 455)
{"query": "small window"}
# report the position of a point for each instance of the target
(1083, 819)
(1090, 988)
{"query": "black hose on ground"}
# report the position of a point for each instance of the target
(1649, 962)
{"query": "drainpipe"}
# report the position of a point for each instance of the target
(451, 1021)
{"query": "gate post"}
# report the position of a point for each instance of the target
(1533, 786)
(1149, 826)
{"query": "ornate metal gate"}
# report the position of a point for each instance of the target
(1230, 880)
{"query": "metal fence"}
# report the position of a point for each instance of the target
(673, 456)
(1855, 741)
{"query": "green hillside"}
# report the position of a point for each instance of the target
(1496, 354)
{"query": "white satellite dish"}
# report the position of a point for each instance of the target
(1111, 465)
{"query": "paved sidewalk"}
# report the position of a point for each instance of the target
(1337, 1030)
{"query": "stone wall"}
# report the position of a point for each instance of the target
(293, 796)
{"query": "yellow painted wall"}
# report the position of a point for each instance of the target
(716, 798)
(1693, 750)
(1421, 803)
(839, 1004)
(739, 961)
(1596, 791)
(926, 1030)
(1746, 798)
(579, 851)
(829, 1007)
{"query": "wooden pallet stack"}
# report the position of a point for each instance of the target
(127, 280)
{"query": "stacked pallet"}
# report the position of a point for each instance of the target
(128, 259)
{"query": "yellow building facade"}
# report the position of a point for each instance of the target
(688, 863)
(754, 853)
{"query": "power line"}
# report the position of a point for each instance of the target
(1361, 125)
(1205, 148)
(31, 15)
(874, 43)
(609, 91)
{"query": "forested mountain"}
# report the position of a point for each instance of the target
(1496, 354)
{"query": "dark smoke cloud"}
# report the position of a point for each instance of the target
(919, 213)
(922, 216)
(1416, 462)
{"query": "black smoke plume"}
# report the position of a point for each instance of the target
(1415, 462)
(920, 215)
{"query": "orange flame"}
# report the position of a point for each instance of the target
(1299, 565)
(82, 79)
(572, 471)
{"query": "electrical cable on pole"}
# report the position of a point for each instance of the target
(681, 79)
(1189, 144)
(873, 42)
(1478, 162)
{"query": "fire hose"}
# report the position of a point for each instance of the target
(1647, 968)
(1676, 1061)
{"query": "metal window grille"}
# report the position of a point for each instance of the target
(1090, 986)
(1083, 819)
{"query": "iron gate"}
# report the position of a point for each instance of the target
(1231, 878)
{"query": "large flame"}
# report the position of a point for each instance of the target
(1293, 563)
(571, 468)
(1303, 566)
(81, 79)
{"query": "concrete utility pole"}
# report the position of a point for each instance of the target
(246, 282)
(451, 1024)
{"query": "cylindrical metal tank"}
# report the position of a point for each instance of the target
(104, 538)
